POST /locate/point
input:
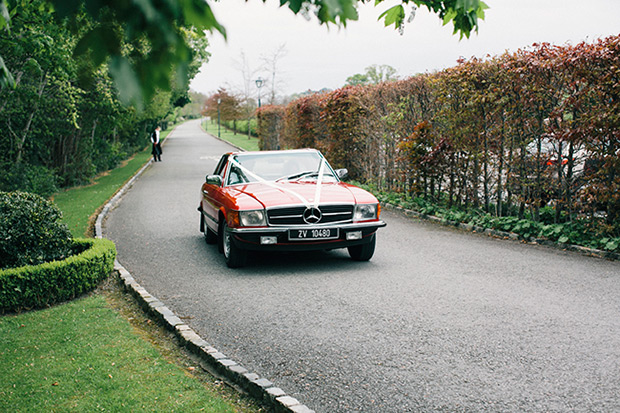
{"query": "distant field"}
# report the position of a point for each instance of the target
(239, 140)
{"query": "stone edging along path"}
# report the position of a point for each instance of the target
(258, 387)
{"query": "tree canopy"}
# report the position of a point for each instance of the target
(223, 103)
(374, 74)
(62, 121)
(162, 33)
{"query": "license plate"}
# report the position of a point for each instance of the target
(312, 234)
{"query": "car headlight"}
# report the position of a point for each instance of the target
(254, 218)
(366, 212)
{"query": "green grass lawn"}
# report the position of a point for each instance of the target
(83, 356)
(239, 140)
(101, 352)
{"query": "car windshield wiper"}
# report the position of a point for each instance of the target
(299, 175)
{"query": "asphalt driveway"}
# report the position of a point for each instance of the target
(438, 320)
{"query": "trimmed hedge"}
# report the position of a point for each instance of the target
(42, 285)
(509, 135)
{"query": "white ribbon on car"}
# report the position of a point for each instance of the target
(317, 192)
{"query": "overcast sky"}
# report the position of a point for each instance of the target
(320, 57)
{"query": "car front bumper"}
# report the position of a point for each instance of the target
(278, 238)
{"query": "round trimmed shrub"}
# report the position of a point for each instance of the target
(30, 231)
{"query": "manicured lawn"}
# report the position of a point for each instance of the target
(239, 140)
(83, 356)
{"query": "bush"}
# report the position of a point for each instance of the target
(108, 155)
(241, 126)
(28, 178)
(30, 231)
(38, 286)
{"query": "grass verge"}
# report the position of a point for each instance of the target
(101, 353)
(239, 140)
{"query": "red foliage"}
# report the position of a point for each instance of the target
(488, 130)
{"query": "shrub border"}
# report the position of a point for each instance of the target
(609, 255)
(38, 286)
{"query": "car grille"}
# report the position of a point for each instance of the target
(330, 214)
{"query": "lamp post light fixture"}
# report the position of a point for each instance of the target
(259, 84)
(219, 100)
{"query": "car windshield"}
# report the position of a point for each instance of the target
(278, 167)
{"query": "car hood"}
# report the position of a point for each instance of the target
(274, 194)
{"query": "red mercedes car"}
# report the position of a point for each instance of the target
(285, 201)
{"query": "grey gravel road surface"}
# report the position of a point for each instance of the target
(438, 320)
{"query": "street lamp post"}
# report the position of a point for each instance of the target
(259, 84)
(219, 100)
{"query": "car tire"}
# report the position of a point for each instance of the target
(235, 257)
(363, 252)
(210, 236)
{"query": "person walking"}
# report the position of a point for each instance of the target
(156, 145)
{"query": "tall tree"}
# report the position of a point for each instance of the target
(223, 103)
(270, 64)
(61, 127)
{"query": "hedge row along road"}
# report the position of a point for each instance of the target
(438, 319)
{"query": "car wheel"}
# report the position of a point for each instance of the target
(235, 256)
(210, 236)
(365, 251)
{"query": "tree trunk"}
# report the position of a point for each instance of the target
(26, 131)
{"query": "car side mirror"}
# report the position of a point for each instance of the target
(214, 180)
(342, 173)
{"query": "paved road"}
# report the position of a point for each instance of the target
(438, 320)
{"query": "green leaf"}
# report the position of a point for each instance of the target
(481, 9)
(613, 244)
(6, 78)
(126, 80)
(102, 42)
(450, 15)
(199, 14)
(349, 12)
(563, 239)
(394, 15)
(294, 5)
(5, 17)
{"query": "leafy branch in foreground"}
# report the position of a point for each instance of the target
(160, 33)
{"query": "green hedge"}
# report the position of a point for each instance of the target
(241, 126)
(38, 286)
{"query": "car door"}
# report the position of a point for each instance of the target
(212, 195)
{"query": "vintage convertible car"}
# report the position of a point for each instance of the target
(288, 200)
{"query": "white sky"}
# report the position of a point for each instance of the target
(319, 57)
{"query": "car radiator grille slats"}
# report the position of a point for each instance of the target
(330, 214)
